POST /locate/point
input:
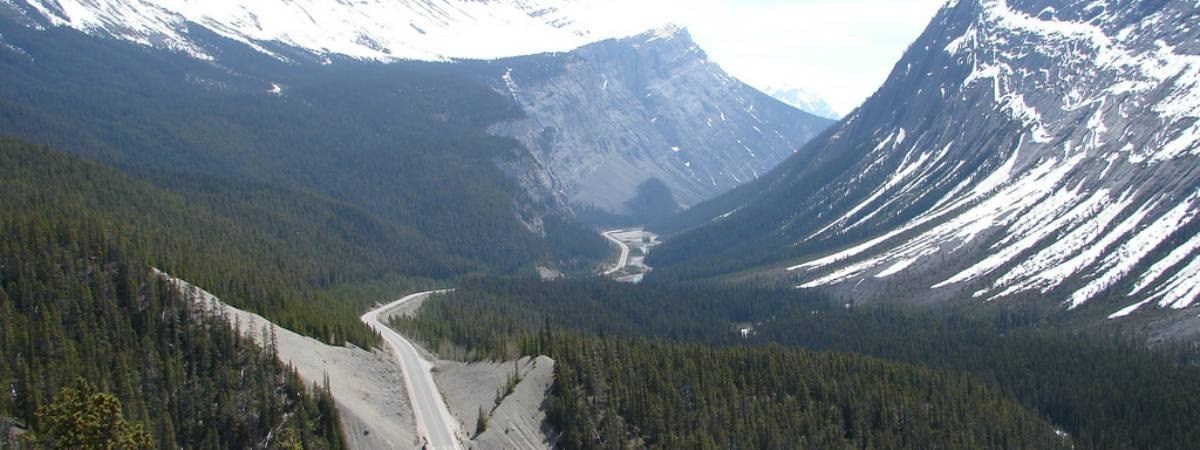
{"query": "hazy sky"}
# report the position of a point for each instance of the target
(841, 50)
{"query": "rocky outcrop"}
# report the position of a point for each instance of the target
(607, 117)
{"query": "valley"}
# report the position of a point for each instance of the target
(531, 224)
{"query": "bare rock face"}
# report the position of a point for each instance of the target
(607, 117)
(1038, 149)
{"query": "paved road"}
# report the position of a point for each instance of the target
(624, 259)
(434, 423)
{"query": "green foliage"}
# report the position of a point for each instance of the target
(78, 300)
(1108, 392)
(230, 257)
(481, 422)
(491, 315)
(359, 174)
(83, 418)
(618, 393)
(1104, 391)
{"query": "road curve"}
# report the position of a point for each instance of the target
(434, 423)
(624, 259)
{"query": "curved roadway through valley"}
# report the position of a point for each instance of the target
(434, 423)
(623, 260)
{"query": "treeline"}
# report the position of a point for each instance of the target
(616, 389)
(77, 301)
(1108, 391)
(617, 393)
(238, 262)
(499, 310)
(1104, 391)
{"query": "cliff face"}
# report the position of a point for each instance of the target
(611, 116)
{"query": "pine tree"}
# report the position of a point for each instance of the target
(83, 418)
(481, 422)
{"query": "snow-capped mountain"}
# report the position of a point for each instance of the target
(803, 100)
(363, 29)
(1041, 149)
(610, 116)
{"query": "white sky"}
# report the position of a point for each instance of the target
(840, 50)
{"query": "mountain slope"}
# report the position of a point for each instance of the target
(391, 140)
(78, 299)
(1042, 149)
(264, 250)
(609, 117)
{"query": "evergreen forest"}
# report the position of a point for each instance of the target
(78, 302)
(1003, 373)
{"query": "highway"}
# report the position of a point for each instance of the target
(435, 425)
(624, 259)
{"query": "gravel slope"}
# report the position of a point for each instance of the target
(368, 386)
(519, 421)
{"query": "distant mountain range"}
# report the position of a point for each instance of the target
(1022, 149)
(804, 100)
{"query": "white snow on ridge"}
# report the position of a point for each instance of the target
(896, 268)
(382, 30)
(1182, 289)
(1073, 252)
(1003, 209)
(1159, 268)
(1119, 263)
(1102, 110)
(1135, 69)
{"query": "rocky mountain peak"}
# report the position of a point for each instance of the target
(610, 116)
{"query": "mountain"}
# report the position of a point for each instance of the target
(804, 100)
(609, 117)
(1041, 150)
(389, 141)
(596, 123)
(374, 29)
